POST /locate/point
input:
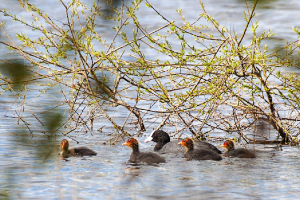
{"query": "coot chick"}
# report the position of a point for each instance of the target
(198, 154)
(140, 157)
(78, 151)
(164, 145)
(239, 153)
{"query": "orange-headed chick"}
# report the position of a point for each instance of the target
(142, 157)
(198, 154)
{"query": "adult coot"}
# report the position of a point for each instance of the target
(140, 157)
(78, 151)
(164, 145)
(198, 154)
(239, 153)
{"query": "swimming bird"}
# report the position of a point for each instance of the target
(198, 154)
(239, 153)
(77, 151)
(165, 145)
(142, 157)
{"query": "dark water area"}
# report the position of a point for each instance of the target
(31, 169)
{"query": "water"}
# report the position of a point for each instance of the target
(272, 175)
(30, 171)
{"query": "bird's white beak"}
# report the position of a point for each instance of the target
(148, 139)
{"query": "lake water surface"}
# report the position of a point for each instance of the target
(28, 171)
(274, 174)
